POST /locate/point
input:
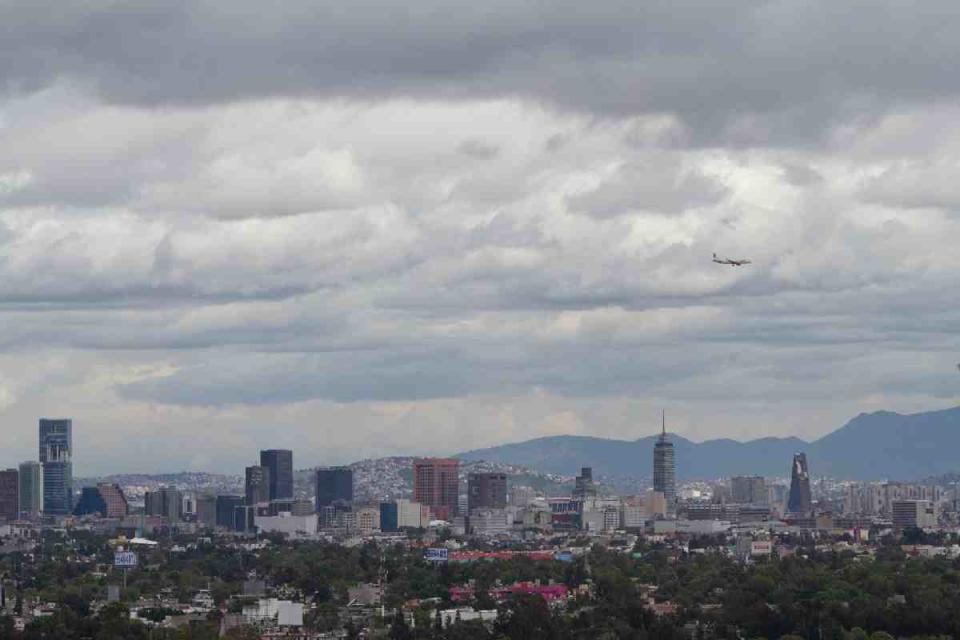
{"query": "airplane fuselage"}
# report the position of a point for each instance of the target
(729, 262)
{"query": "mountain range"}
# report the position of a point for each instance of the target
(880, 445)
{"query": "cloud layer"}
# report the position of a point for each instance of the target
(359, 230)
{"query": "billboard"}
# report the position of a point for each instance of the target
(761, 548)
(438, 554)
(125, 559)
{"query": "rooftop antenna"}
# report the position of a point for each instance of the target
(663, 415)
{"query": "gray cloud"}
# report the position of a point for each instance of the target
(479, 149)
(347, 376)
(660, 185)
(743, 72)
(801, 175)
(916, 184)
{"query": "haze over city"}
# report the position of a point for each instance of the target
(435, 227)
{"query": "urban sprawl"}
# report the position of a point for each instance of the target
(464, 551)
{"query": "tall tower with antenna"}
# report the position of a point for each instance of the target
(664, 468)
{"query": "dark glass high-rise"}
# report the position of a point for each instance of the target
(257, 485)
(56, 456)
(800, 501)
(334, 487)
(280, 464)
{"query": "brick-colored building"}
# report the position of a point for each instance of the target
(436, 484)
(107, 500)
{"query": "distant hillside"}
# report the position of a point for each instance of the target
(871, 446)
(891, 445)
(711, 459)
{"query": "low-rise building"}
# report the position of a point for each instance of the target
(487, 522)
(288, 524)
(691, 527)
(412, 515)
(453, 616)
(633, 515)
(913, 513)
(368, 519)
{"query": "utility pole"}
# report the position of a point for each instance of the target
(382, 582)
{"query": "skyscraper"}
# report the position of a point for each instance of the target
(9, 495)
(664, 469)
(800, 501)
(436, 484)
(584, 487)
(31, 490)
(748, 490)
(280, 464)
(56, 453)
(207, 510)
(166, 502)
(227, 506)
(257, 485)
(389, 520)
(486, 491)
(334, 487)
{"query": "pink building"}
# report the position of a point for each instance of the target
(549, 592)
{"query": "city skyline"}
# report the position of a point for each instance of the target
(877, 435)
(273, 501)
(363, 319)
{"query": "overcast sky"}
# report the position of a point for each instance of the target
(363, 228)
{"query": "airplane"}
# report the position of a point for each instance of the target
(728, 261)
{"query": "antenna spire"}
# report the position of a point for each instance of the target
(663, 416)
